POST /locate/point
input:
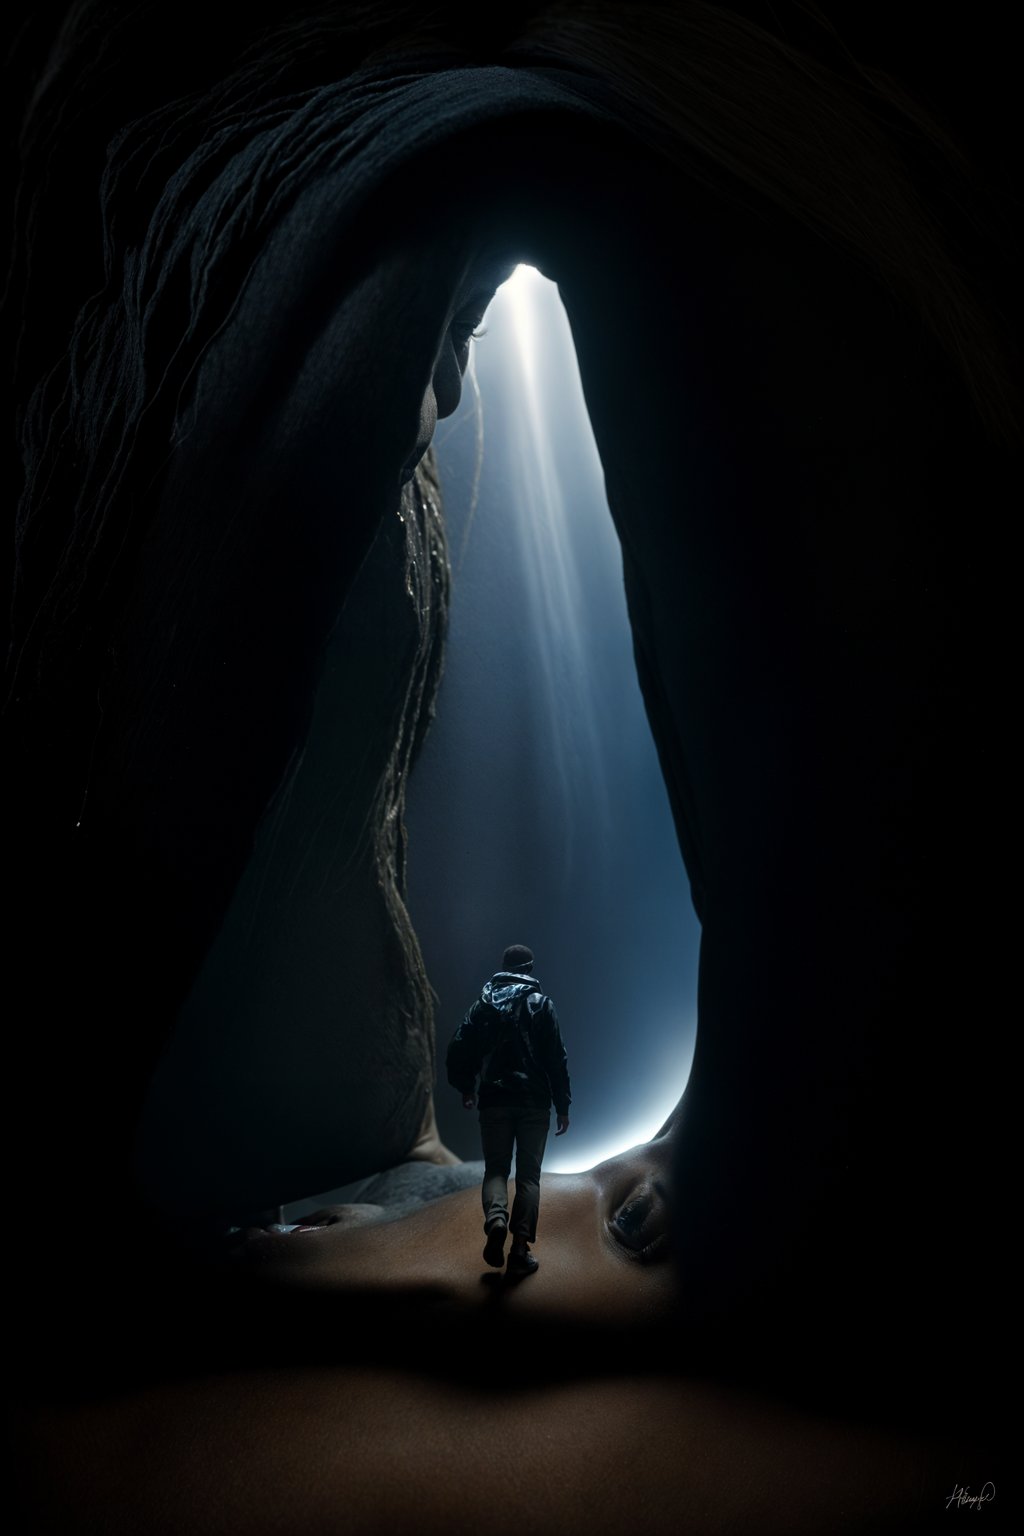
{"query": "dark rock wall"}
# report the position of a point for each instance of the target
(304, 1056)
(820, 665)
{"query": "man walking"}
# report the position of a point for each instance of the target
(510, 1038)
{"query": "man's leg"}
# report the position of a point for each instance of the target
(531, 1138)
(497, 1136)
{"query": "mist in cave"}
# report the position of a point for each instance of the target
(537, 813)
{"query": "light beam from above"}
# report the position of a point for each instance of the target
(541, 541)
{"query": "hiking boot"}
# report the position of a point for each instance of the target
(494, 1249)
(521, 1262)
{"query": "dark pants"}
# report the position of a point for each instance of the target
(525, 1127)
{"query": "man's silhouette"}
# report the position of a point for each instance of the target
(510, 1038)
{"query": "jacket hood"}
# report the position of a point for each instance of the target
(504, 990)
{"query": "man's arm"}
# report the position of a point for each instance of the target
(464, 1058)
(557, 1067)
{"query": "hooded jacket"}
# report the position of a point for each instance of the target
(511, 1039)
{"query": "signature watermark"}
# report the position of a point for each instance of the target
(963, 1498)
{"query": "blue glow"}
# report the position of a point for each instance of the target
(527, 320)
(568, 1155)
(538, 813)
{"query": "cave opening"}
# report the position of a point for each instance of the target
(537, 812)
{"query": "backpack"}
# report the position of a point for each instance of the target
(517, 1032)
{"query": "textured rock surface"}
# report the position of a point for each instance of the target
(304, 1057)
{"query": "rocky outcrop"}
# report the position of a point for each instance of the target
(304, 1056)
